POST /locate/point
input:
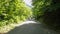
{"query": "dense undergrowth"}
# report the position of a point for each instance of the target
(13, 11)
(47, 12)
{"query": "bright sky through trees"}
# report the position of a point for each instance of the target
(28, 2)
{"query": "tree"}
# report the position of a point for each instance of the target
(12, 11)
(47, 12)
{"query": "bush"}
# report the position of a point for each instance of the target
(12, 11)
(47, 12)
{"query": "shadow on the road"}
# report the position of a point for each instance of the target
(31, 29)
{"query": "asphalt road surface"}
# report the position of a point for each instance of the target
(32, 28)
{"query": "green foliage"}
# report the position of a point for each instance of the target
(12, 11)
(47, 12)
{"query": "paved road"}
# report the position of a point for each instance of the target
(32, 28)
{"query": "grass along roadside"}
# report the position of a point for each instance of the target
(7, 28)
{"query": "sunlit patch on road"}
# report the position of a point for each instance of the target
(25, 22)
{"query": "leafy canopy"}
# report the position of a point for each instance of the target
(47, 12)
(12, 11)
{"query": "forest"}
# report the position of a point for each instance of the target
(13, 11)
(45, 11)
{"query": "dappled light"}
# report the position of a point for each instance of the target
(29, 16)
(31, 28)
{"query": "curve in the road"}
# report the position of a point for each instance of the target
(32, 28)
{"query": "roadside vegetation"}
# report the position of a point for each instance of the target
(13, 11)
(47, 12)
